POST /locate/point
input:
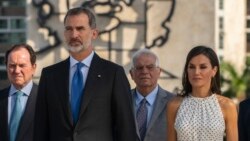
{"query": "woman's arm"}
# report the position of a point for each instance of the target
(230, 116)
(172, 109)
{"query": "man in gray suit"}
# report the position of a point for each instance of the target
(17, 102)
(149, 99)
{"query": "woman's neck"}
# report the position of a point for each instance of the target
(201, 93)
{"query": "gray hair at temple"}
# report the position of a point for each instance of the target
(80, 10)
(147, 52)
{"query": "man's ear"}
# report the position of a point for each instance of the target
(95, 33)
(131, 74)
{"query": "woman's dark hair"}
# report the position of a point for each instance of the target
(21, 45)
(211, 55)
(80, 10)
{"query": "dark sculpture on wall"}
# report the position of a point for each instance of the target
(115, 7)
(42, 19)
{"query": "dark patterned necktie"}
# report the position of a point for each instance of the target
(76, 92)
(141, 118)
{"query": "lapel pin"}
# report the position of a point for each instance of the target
(99, 76)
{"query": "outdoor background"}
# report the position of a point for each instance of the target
(170, 28)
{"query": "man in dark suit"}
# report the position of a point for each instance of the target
(150, 116)
(17, 102)
(99, 109)
(244, 120)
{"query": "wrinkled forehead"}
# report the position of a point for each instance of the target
(145, 59)
(20, 54)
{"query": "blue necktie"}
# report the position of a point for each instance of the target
(76, 92)
(141, 118)
(16, 116)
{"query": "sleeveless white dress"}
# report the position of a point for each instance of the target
(200, 119)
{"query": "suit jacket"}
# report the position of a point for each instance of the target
(244, 120)
(106, 113)
(157, 126)
(26, 126)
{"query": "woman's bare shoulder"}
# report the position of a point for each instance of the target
(175, 102)
(226, 103)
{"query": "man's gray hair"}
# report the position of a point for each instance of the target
(146, 52)
(80, 10)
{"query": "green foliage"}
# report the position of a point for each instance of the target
(238, 84)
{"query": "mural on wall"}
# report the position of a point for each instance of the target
(125, 25)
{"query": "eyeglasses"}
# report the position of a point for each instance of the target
(147, 67)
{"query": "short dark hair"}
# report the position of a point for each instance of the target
(79, 10)
(211, 55)
(21, 45)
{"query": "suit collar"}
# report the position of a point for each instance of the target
(133, 92)
(26, 90)
(63, 77)
(28, 115)
(4, 114)
(150, 97)
(86, 61)
(160, 106)
(94, 75)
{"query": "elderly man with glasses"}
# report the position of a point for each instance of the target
(149, 99)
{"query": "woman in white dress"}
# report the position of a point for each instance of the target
(200, 112)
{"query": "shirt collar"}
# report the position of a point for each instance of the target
(86, 61)
(150, 97)
(26, 89)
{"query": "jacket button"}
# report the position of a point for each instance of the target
(76, 133)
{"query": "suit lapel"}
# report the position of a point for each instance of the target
(63, 80)
(28, 116)
(133, 92)
(93, 73)
(4, 130)
(160, 105)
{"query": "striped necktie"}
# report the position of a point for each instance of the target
(141, 118)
